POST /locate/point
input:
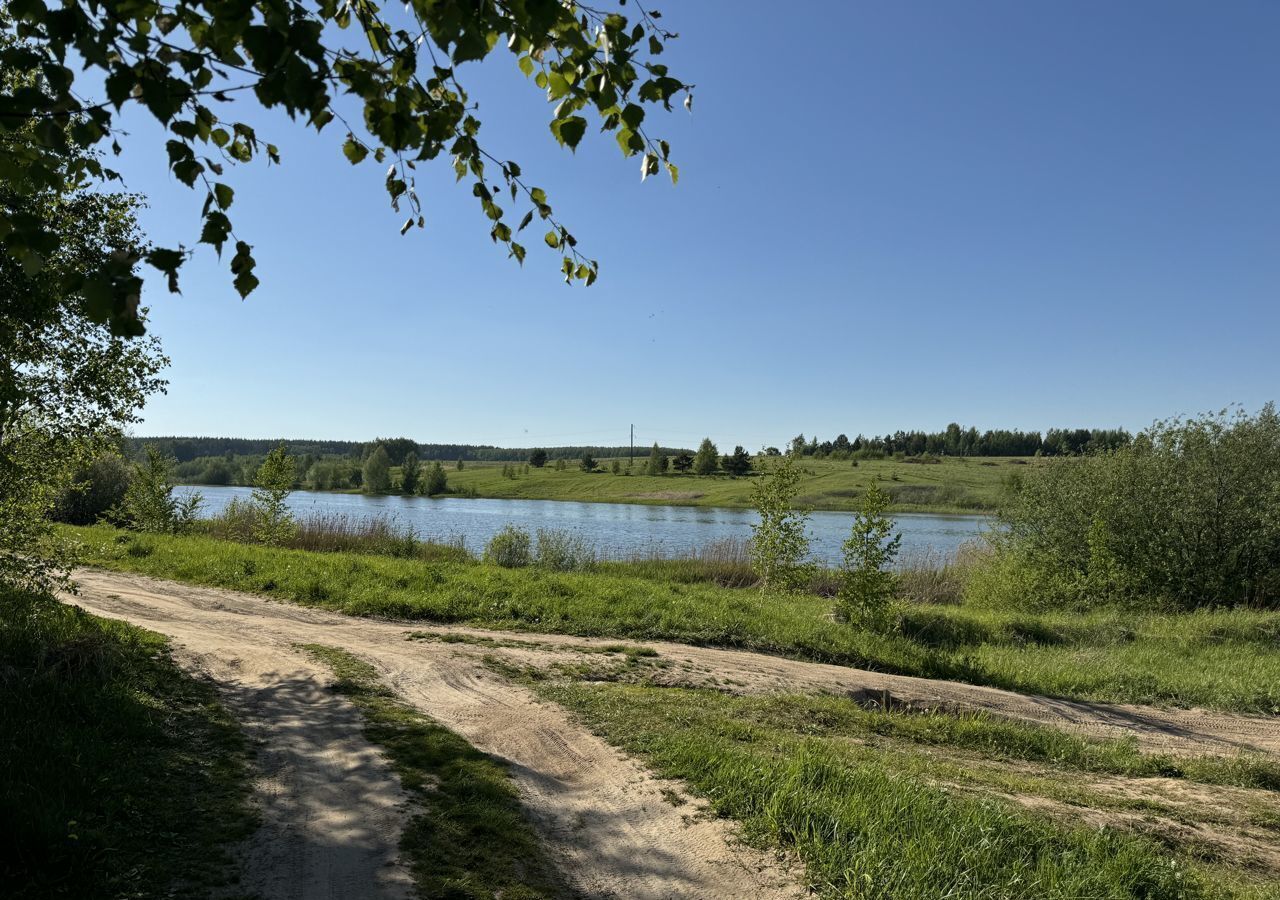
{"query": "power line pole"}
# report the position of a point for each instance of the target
(632, 458)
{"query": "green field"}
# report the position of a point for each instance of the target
(954, 484)
(1224, 659)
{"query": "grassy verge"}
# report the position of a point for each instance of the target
(1220, 659)
(122, 776)
(468, 838)
(873, 818)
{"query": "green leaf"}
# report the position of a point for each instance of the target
(569, 130)
(223, 194)
(217, 228)
(552, 239)
(354, 150)
(632, 115)
(526, 65)
(242, 265)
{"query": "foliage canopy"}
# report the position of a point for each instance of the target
(394, 71)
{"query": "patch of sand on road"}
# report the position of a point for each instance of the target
(332, 810)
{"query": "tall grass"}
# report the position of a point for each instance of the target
(121, 775)
(933, 577)
(331, 532)
(725, 562)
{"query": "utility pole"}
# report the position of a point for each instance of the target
(632, 458)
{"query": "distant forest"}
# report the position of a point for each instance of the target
(958, 441)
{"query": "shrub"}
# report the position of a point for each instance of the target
(1187, 515)
(95, 489)
(509, 548)
(149, 503)
(538, 458)
(564, 551)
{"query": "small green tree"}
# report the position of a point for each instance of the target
(779, 543)
(738, 463)
(615, 467)
(538, 458)
(436, 482)
(682, 463)
(588, 462)
(707, 459)
(377, 471)
(272, 484)
(410, 471)
(657, 461)
(866, 582)
(459, 466)
(560, 465)
(149, 502)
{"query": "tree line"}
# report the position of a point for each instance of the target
(958, 441)
(192, 449)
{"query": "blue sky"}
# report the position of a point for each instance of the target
(890, 215)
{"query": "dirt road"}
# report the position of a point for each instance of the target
(603, 817)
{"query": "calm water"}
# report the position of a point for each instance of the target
(614, 529)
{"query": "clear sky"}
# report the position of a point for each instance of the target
(890, 215)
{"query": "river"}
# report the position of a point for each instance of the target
(616, 530)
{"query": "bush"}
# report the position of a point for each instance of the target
(95, 489)
(149, 503)
(1187, 515)
(509, 548)
(563, 551)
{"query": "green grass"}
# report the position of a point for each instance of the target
(468, 837)
(952, 485)
(869, 821)
(992, 737)
(122, 776)
(1220, 659)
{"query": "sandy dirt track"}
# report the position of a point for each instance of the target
(602, 816)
